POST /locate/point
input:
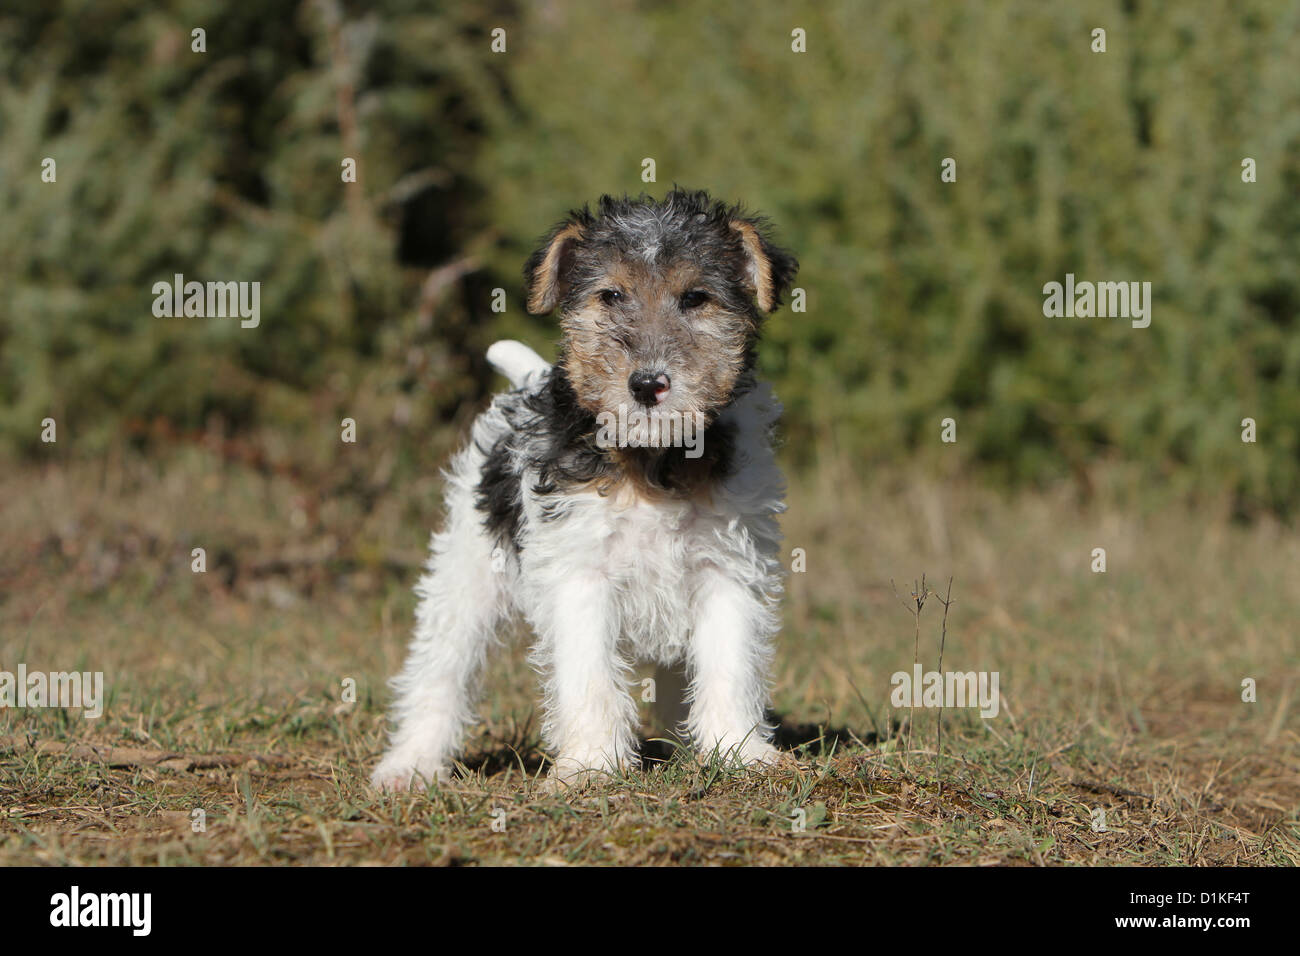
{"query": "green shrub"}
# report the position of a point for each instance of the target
(924, 298)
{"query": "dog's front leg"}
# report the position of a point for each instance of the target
(461, 601)
(728, 659)
(590, 714)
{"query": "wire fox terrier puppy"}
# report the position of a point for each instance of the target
(623, 500)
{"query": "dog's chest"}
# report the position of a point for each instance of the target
(651, 542)
(651, 554)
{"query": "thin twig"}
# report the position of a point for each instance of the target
(943, 639)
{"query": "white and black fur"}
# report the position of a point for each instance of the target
(614, 555)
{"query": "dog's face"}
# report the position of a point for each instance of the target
(660, 304)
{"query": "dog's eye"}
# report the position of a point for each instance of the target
(610, 296)
(694, 299)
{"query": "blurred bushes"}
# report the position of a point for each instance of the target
(225, 166)
(924, 298)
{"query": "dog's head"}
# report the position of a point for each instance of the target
(660, 304)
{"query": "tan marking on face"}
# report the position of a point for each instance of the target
(622, 276)
(587, 357)
(546, 284)
(720, 338)
(760, 267)
(704, 348)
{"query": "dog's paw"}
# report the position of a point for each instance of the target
(571, 772)
(760, 754)
(778, 760)
(575, 780)
(395, 775)
(753, 753)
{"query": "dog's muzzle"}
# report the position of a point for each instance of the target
(649, 388)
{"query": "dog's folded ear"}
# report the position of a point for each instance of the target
(546, 274)
(769, 270)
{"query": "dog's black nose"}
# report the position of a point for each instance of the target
(646, 387)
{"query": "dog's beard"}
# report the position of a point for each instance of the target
(696, 396)
(671, 424)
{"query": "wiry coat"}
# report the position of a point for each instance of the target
(617, 553)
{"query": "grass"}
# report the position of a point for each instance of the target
(1121, 692)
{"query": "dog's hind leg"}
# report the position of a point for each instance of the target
(462, 600)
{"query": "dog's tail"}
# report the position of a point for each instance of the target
(517, 362)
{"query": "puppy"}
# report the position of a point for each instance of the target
(624, 500)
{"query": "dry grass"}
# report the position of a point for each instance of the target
(1121, 691)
